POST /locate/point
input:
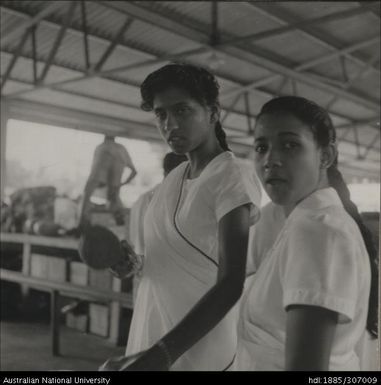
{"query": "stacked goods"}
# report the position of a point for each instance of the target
(39, 266)
(78, 273)
(33, 204)
(76, 314)
(99, 319)
(48, 267)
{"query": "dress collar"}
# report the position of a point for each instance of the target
(319, 199)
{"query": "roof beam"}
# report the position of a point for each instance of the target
(205, 47)
(282, 16)
(228, 109)
(254, 84)
(95, 98)
(8, 36)
(179, 27)
(373, 6)
(85, 34)
(294, 26)
(58, 41)
(16, 55)
(34, 53)
(44, 113)
(304, 66)
(371, 144)
(360, 74)
(98, 98)
(110, 49)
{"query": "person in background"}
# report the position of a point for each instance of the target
(139, 208)
(314, 292)
(109, 161)
(195, 234)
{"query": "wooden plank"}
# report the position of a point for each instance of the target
(55, 322)
(26, 265)
(61, 243)
(115, 313)
(66, 288)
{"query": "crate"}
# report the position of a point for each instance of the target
(100, 279)
(77, 321)
(39, 265)
(57, 269)
(99, 319)
(78, 273)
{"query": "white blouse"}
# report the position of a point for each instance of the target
(319, 259)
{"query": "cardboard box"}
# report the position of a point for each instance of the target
(39, 265)
(57, 269)
(77, 321)
(100, 279)
(99, 319)
(78, 273)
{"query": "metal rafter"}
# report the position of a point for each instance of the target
(34, 52)
(282, 16)
(371, 144)
(163, 21)
(10, 35)
(100, 99)
(358, 75)
(354, 47)
(341, 138)
(129, 83)
(85, 34)
(110, 49)
(344, 69)
(14, 58)
(214, 34)
(281, 86)
(58, 41)
(248, 115)
(203, 48)
(357, 142)
(372, 6)
(300, 67)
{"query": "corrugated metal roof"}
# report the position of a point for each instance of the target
(277, 60)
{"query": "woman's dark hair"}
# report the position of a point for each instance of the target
(318, 119)
(198, 82)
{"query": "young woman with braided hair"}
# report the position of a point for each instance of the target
(195, 234)
(315, 291)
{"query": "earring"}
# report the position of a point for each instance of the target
(324, 164)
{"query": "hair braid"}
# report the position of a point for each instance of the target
(221, 136)
(337, 182)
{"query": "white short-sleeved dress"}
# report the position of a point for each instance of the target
(319, 259)
(263, 235)
(181, 257)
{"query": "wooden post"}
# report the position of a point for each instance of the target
(4, 120)
(115, 313)
(26, 262)
(55, 322)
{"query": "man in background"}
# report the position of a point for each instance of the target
(109, 161)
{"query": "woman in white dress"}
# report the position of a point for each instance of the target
(195, 234)
(313, 294)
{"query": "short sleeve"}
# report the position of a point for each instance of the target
(239, 186)
(320, 268)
